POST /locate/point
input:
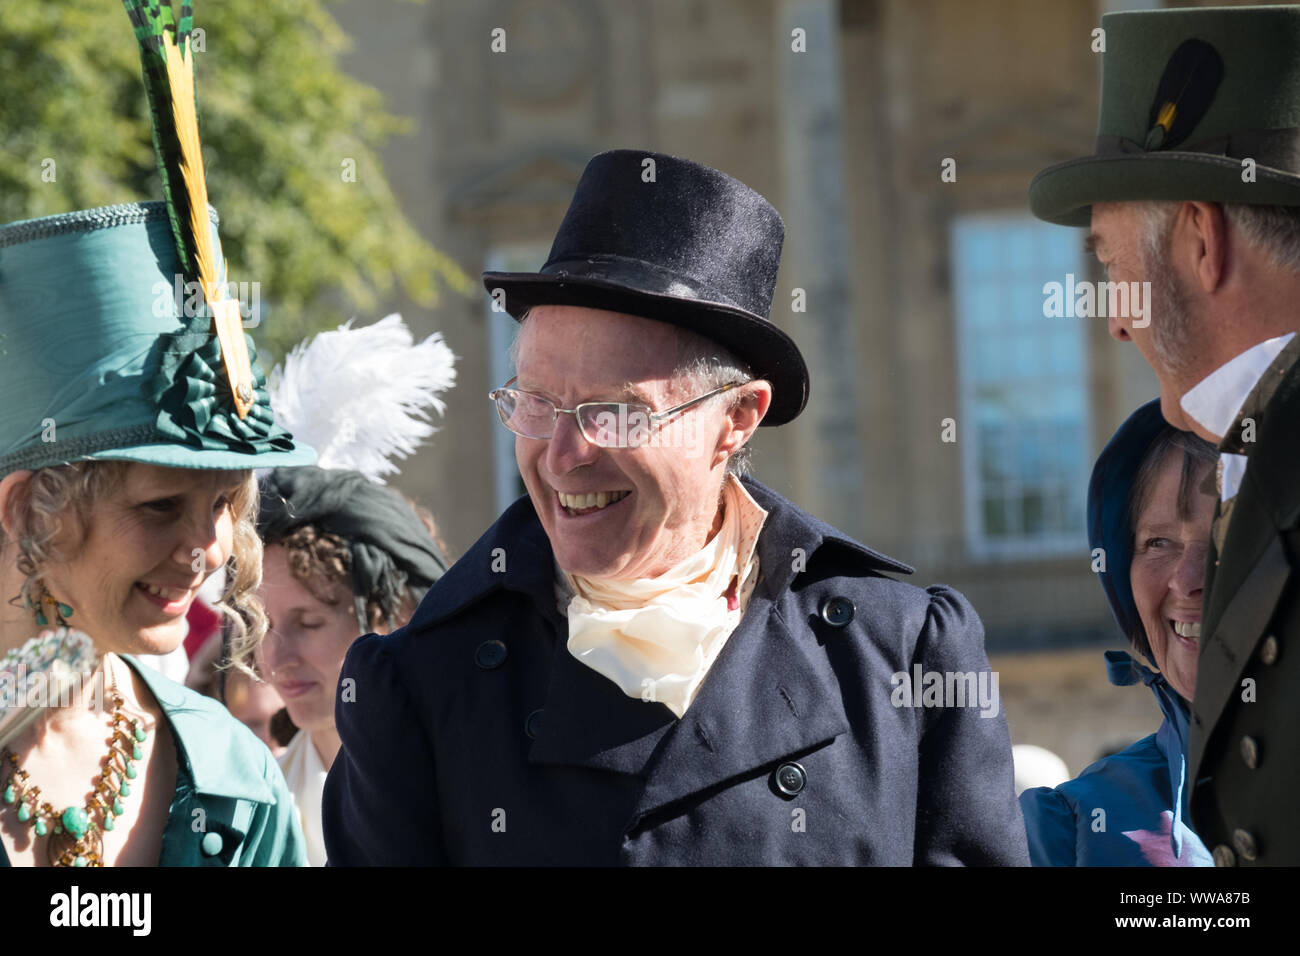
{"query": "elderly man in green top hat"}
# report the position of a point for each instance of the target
(130, 426)
(1194, 186)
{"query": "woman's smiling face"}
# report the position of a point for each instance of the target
(146, 548)
(1170, 550)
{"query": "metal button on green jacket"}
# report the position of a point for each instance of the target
(231, 807)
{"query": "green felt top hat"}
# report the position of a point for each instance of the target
(105, 352)
(1186, 96)
(98, 358)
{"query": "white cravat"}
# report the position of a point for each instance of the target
(656, 638)
(1215, 401)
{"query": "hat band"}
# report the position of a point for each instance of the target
(641, 275)
(1275, 148)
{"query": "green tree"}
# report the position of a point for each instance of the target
(281, 128)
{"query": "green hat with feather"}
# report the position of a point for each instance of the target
(118, 338)
(1187, 97)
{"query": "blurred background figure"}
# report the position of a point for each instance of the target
(1150, 504)
(254, 703)
(343, 555)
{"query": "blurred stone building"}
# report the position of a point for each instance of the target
(950, 424)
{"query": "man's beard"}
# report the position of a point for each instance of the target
(1168, 309)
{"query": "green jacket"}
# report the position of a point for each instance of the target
(232, 807)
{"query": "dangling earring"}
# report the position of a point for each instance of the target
(61, 611)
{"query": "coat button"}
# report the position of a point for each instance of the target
(1244, 843)
(211, 844)
(1250, 752)
(1268, 651)
(790, 778)
(533, 723)
(490, 655)
(1223, 856)
(837, 611)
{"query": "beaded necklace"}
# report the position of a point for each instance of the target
(77, 832)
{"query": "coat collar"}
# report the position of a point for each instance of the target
(767, 696)
(218, 767)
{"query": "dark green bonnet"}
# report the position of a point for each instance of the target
(97, 360)
(390, 547)
(1186, 96)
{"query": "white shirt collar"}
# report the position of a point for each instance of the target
(1215, 400)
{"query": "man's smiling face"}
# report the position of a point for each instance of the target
(669, 488)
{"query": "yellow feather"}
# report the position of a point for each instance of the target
(1165, 117)
(226, 318)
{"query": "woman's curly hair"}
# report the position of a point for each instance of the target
(66, 496)
(322, 562)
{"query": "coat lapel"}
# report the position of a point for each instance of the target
(1245, 582)
(764, 699)
(589, 722)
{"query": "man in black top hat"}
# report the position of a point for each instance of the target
(1195, 188)
(648, 660)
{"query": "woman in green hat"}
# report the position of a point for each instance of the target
(130, 421)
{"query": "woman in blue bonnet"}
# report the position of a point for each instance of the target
(1150, 505)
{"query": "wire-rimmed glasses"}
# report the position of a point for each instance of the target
(604, 424)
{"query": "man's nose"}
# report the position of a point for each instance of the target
(1116, 328)
(568, 449)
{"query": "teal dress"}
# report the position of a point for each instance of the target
(231, 807)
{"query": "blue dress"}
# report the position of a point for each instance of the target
(1127, 809)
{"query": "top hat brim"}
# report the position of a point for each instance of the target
(1064, 193)
(758, 342)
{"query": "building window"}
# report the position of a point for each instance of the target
(501, 328)
(1024, 426)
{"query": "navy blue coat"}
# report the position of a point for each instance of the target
(472, 736)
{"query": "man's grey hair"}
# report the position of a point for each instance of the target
(702, 366)
(1273, 229)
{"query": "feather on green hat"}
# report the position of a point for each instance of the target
(104, 351)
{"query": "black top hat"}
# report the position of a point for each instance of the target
(668, 239)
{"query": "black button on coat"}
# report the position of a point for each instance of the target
(435, 767)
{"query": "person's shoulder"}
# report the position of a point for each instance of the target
(225, 757)
(819, 563)
(1275, 461)
(1115, 772)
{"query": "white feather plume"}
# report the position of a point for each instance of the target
(360, 396)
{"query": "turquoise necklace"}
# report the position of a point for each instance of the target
(76, 833)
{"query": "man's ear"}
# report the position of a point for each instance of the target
(1207, 228)
(12, 486)
(744, 416)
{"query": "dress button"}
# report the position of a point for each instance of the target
(837, 611)
(1244, 843)
(211, 844)
(533, 723)
(490, 655)
(1250, 752)
(1268, 651)
(1223, 856)
(790, 778)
